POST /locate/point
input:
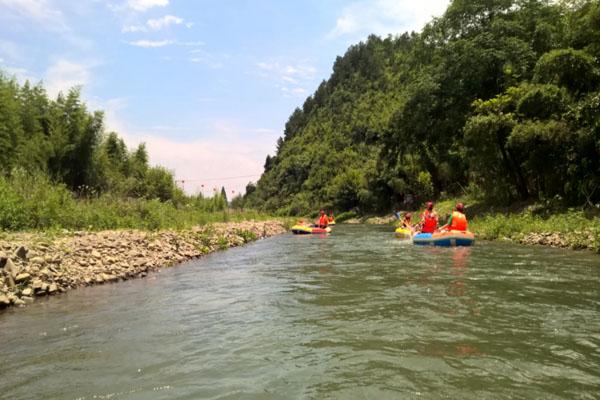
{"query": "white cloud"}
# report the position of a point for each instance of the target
(151, 43)
(143, 5)
(39, 11)
(160, 23)
(291, 78)
(154, 24)
(384, 17)
(64, 74)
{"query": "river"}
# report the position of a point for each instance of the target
(354, 315)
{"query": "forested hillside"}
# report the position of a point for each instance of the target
(497, 98)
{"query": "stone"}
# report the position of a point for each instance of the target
(4, 301)
(22, 252)
(23, 277)
(52, 288)
(37, 260)
(96, 254)
(37, 285)
(27, 291)
(19, 302)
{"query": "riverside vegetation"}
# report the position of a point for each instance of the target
(77, 207)
(497, 99)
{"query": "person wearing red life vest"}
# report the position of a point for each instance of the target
(457, 220)
(323, 220)
(429, 219)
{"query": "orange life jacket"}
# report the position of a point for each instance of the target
(459, 222)
(430, 222)
(323, 221)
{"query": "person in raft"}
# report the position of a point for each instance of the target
(429, 219)
(406, 221)
(323, 220)
(331, 218)
(457, 220)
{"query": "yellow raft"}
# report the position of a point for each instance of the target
(307, 230)
(403, 233)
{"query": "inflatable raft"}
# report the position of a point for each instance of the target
(403, 233)
(445, 239)
(307, 230)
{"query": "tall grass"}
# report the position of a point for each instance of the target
(34, 202)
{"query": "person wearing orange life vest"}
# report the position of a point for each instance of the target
(457, 220)
(331, 217)
(323, 221)
(429, 219)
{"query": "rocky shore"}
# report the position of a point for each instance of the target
(34, 265)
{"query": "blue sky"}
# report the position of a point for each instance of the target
(207, 85)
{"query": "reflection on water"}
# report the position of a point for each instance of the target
(356, 314)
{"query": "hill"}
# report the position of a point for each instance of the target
(497, 99)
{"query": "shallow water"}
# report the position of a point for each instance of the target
(354, 315)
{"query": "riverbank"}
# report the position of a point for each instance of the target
(39, 264)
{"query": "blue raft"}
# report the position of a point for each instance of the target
(444, 239)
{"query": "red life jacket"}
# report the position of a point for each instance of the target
(430, 222)
(459, 222)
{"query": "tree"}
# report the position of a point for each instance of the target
(224, 194)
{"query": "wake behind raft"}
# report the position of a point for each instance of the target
(307, 230)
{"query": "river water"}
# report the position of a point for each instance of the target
(354, 315)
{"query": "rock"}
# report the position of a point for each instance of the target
(19, 302)
(27, 299)
(109, 277)
(52, 288)
(22, 252)
(37, 261)
(27, 291)
(23, 277)
(48, 258)
(96, 254)
(11, 272)
(4, 301)
(37, 285)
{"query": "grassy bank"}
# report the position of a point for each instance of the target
(33, 202)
